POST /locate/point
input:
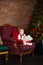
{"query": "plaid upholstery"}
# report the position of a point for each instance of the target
(6, 33)
(26, 47)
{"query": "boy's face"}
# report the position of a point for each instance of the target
(21, 31)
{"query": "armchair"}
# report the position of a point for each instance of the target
(6, 32)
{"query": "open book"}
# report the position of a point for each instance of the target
(28, 38)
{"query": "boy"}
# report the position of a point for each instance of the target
(26, 39)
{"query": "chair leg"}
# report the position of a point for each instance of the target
(21, 58)
(6, 57)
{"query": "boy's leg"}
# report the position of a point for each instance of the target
(24, 43)
(29, 43)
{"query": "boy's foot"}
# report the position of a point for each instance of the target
(29, 43)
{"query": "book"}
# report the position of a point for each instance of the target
(28, 38)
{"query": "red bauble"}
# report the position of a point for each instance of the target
(36, 35)
(39, 30)
(30, 17)
(41, 25)
(42, 34)
(33, 30)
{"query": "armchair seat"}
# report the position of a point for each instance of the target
(23, 48)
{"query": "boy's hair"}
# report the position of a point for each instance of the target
(21, 29)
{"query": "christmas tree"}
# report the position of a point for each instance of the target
(36, 21)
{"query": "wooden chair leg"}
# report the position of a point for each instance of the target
(21, 58)
(6, 57)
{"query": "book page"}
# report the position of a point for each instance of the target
(28, 38)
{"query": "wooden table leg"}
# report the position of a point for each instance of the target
(21, 57)
(6, 57)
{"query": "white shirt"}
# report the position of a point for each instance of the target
(21, 36)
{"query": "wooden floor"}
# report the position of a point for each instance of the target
(27, 60)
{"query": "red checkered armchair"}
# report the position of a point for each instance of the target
(6, 32)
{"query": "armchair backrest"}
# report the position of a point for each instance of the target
(8, 31)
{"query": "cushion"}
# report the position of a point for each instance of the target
(3, 48)
(15, 34)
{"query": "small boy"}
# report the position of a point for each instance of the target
(22, 36)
